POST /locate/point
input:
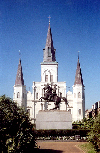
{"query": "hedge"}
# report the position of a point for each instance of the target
(55, 133)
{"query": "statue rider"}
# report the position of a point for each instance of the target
(48, 92)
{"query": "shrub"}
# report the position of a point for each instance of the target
(60, 133)
(16, 131)
(94, 134)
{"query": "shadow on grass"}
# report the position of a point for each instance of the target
(47, 151)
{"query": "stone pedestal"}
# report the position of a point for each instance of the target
(53, 119)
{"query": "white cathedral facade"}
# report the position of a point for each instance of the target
(49, 74)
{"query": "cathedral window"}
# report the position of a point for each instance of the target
(79, 95)
(51, 78)
(79, 111)
(49, 51)
(42, 92)
(36, 95)
(18, 95)
(46, 78)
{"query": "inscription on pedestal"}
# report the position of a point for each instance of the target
(53, 119)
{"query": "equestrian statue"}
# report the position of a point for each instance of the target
(51, 96)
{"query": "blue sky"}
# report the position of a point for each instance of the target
(75, 26)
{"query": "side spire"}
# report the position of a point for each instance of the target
(19, 77)
(49, 51)
(78, 76)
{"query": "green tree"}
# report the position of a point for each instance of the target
(83, 124)
(94, 134)
(16, 130)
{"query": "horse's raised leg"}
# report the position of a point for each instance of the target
(41, 99)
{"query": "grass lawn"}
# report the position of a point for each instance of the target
(87, 147)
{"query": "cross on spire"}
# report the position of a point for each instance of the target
(78, 54)
(19, 54)
(49, 19)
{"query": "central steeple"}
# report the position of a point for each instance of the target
(49, 66)
(49, 51)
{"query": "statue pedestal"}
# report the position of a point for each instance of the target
(53, 119)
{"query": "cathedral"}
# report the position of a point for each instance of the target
(49, 75)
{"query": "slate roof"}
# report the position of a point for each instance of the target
(49, 51)
(78, 76)
(19, 77)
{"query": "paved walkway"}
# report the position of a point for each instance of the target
(59, 147)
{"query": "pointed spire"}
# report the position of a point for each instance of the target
(19, 77)
(49, 51)
(49, 41)
(78, 76)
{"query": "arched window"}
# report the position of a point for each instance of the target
(79, 111)
(36, 95)
(49, 52)
(18, 95)
(79, 95)
(51, 78)
(46, 78)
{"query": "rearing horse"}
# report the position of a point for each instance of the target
(56, 99)
(52, 97)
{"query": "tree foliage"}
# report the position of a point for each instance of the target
(94, 134)
(16, 131)
(84, 124)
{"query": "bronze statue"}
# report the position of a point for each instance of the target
(51, 96)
